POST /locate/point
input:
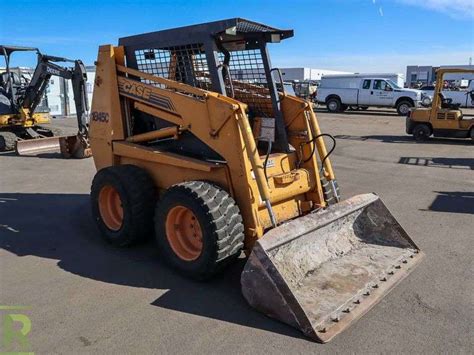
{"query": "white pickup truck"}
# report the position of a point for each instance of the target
(464, 97)
(339, 92)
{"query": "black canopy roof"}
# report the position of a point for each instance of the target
(5, 49)
(230, 29)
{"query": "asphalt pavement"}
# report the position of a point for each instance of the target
(84, 296)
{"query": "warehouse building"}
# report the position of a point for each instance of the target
(426, 75)
(60, 95)
(307, 74)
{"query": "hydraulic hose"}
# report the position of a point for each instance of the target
(314, 149)
(269, 150)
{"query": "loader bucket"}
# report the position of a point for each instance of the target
(321, 272)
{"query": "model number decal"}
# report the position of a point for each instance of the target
(100, 116)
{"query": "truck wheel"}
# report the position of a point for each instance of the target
(333, 105)
(122, 201)
(421, 132)
(198, 228)
(7, 141)
(403, 107)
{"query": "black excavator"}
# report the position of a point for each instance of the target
(22, 116)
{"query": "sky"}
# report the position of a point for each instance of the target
(348, 35)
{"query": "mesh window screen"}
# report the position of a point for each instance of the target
(249, 82)
(186, 64)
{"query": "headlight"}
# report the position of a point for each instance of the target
(425, 100)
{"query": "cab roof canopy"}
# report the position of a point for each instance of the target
(7, 50)
(454, 70)
(230, 30)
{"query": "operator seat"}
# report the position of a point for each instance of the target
(447, 103)
(5, 86)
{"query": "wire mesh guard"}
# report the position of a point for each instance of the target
(188, 64)
(249, 82)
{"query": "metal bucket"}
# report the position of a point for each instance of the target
(74, 147)
(321, 272)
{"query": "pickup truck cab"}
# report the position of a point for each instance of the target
(339, 93)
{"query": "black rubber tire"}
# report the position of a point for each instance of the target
(220, 221)
(7, 141)
(328, 192)
(333, 105)
(421, 132)
(138, 197)
(401, 106)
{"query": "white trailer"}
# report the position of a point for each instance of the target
(307, 74)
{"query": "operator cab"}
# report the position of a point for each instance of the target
(229, 57)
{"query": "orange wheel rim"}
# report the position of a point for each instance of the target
(184, 233)
(110, 207)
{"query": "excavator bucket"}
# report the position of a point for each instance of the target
(321, 272)
(74, 147)
(69, 146)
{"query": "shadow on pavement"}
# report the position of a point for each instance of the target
(44, 155)
(454, 202)
(60, 227)
(451, 163)
(404, 139)
(362, 113)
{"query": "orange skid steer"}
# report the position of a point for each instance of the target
(196, 144)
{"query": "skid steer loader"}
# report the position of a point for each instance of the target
(194, 143)
(22, 123)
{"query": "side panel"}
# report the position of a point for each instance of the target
(348, 96)
(106, 121)
(166, 175)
